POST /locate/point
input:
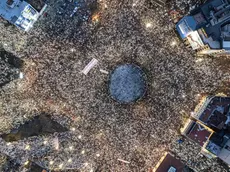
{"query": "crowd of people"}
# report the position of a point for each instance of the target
(104, 135)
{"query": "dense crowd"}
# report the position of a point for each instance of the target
(104, 135)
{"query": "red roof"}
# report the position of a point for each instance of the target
(199, 134)
(170, 161)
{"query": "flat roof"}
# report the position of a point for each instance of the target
(19, 13)
(37, 4)
(215, 112)
(213, 148)
(9, 13)
(212, 30)
(170, 161)
(198, 133)
(225, 153)
(212, 128)
(211, 17)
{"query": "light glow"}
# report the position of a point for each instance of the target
(26, 163)
(83, 152)
(148, 25)
(51, 162)
(199, 60)
(173, 43)
(27, 147)
(60, 166)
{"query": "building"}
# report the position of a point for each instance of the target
(168, 163)
(209, 127)
(21, 13)
(207, 28)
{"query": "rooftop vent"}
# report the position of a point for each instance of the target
(10, 2)
(172, 169)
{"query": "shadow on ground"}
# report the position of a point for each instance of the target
(40, 125)
(9, 67)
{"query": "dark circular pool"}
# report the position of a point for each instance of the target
(127, 83)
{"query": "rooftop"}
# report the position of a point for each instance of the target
(170, 164)
(198, 133)
(216, 13)
(212, 128)
(216, 112)
(37, 4)
(19, 13)
(211, 20)
(56, 53)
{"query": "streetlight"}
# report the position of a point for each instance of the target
(148, 25)
(199, 60)
(83, 151)
(173, 43)
(61, 165)
(27, 147)
(51, 162)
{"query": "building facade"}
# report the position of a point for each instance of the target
(209, 126)
(169, 163)
(207, 28)
(21, 13)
